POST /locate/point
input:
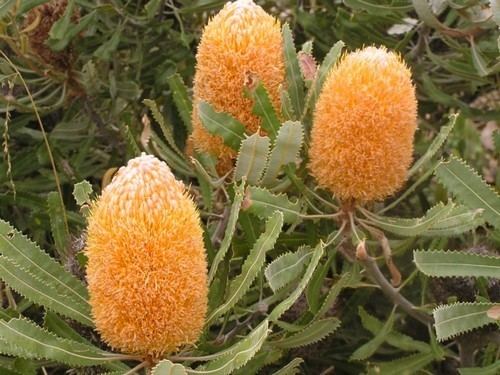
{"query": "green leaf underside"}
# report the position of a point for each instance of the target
(263, 203)
(442, 263)
(460, 220)
(263, 107)
(312, 333)
(455, 319)
(82, 191)
(286, 268)
(252, 159)
(167, 367)
(470, 189)
(252, 265)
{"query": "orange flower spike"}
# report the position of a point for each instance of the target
(364, 124)
(147, 269)
(242, 38)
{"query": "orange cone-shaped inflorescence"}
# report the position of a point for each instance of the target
(146, 261)
(364, 125)
(241, 39)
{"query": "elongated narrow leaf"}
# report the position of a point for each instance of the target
(462, 317)
(262, 203)
(42, 293)
(328, 62)
(230, 228)
(333, 293)
(252, 265)
(27, 255)
(393, 338)
(6, 7)
(58, 225)
(167, 367)
(60, 37)
(444, 132)
(287, 268)
(492, 369)
(285, 151)
(238, 355)
(38, 343)
(218, 123)
(252, 158)
(460, 220)
(367, 350)
(456, 263)
(166, 128)
(312, 333)
(287, 111)
(292, 368)
(403, 366)
(290, 300)
(470, 189)
(293, 75)
(263, 107)
(181, 99)
(412, 227)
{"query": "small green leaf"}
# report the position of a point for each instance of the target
(82, 192)
(469, 188)
(436, 144)
(152, 8)
(312, 333)
(404, 366)
(252, 159)
(287, 268)
(285, 151)
(106, 49)
(290, 300)
(293, 75)
(219, 123)
(63, 31)
(262, 203)
(58, 226)
(292, 368)
(441, 263)
(462, 317)
(492, 369)
(252, 265)
(181, 99)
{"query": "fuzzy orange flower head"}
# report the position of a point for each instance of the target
(241, 39)
(146, 261)
(364, 124)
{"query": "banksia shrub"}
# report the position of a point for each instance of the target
(364, 125)
(242, 38)
(146, 261)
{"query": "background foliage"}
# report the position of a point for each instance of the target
(106, 82)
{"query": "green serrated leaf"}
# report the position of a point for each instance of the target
(286, 150)
(287, 110)
(287, 268)
(312, 333)
(469, 188)
(238, 355)
(393, 338)
(252, 159)
(455, 319)
(166, 128)
(63, 31)
(38, 343)
(293, 75)
(262, 203)
(492, 369)
(328, 62)
(82, 191)
(292, 368)
(252, 265)
(290, 300)
(167, 367)
(181, 99)
(230, 228)
(458, 221)
(333, 293)
(106, 49)
(436, 144)
(441, 263)
(367, 350)
(404, 366)
(263, 107)
(411, 227)
(219, 123)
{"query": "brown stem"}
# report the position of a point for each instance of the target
(374, 273)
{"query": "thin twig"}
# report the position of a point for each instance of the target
(137, 368)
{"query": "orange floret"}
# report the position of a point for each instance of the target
(242, 38)
(364, 125)
(147, 270)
